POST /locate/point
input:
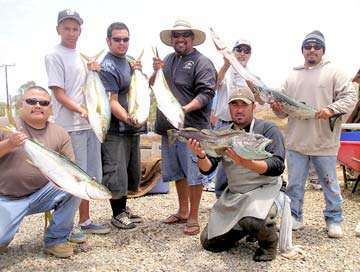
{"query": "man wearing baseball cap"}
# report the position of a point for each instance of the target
(248, 205)
(66, 76)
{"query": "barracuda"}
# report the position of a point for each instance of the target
(215, 142)
(97, 102)
(293, 108)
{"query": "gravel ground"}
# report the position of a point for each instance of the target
(159, 247)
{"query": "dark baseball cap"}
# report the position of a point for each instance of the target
(69, 14)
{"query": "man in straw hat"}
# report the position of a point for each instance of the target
(192, 79)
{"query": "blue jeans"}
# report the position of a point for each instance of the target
(13, 211)
(178, 162)
(325, 167)
(221, 179)
(87, 149)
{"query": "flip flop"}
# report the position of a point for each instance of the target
(174, 219)
(191, 228)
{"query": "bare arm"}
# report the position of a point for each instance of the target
(222, 72)
(67, 102)
(119, 111)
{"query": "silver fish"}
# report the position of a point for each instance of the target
(293, 108)
(215, 142)
(139, 96)
(166, 101)
(65, 174)
(97, 102)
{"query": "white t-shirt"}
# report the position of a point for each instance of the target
(66, 70)
(232, 81)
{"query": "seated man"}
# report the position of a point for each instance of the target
(24, 190)
(247, 206)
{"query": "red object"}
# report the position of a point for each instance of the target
(349, 156)
(348, 151)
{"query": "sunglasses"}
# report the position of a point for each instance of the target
(118, 39)
(186, 34)
(33, 101)
(246, 50)
(315, 46)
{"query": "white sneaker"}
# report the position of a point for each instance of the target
(296, 224)
(334, 230)
(209, 187)
(357, 229)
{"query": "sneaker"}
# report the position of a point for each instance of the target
(76, 236)
(122, 221)
(63, 250)
(334, 230)
(314, 184)
(133, 217)
(357, 229)
(296, 224)
(94, 229)
(209, 187)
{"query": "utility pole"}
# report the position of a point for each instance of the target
(8, 100)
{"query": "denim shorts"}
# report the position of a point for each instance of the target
(178, 162)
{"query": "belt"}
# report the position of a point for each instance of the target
(225, 122)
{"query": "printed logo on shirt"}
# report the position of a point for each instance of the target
(107, 66)
(188, 65)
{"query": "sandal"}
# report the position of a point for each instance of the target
(174, 219)
(191, 228)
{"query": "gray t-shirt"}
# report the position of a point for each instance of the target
(66, 70)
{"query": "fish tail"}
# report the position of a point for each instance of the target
(94, 58)
(173, 134)
(332, 120)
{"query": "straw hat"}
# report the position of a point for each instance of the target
(182, 24)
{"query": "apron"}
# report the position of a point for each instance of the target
(248, 194)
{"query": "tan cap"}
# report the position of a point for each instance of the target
(244, 94)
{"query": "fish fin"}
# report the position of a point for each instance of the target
(173, 134)
(94, 58)
(48, 217)
(333, 119)
(190, 129)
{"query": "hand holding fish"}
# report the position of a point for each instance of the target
(324, 113)
(84, 114)
(93, 66)
(136, 65)
(17, 139)
(196, 148)
(277, 107)
(157, 64)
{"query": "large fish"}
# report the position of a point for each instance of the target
(139, 96)
(97, 102)
(166, 101)
(215, 142)
(65, 174)
(291, 107)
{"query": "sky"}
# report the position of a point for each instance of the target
(276, 29)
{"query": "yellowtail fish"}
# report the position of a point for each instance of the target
(65, 174)
(166, 101)
(139, 96)
(291, 107)
(97, 102)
